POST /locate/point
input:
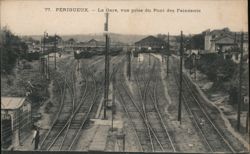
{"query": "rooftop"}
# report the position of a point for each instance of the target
(151, 39)
(11, 103)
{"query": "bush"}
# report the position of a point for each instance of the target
(216, 67)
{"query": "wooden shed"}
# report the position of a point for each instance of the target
(15, 120)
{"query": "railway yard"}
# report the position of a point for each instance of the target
(144, 108)
(124, 77)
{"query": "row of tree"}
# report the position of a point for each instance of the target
(12, 49)
(190, 41)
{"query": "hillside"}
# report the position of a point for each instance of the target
(124, 38)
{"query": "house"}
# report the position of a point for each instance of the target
(173, 44)
(95, 43)
(15, 120)
(222, 40)
(150, 43)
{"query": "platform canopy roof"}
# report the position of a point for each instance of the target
(11, 103)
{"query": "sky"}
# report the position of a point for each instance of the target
(29, 17)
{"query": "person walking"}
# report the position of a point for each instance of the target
(36, 137)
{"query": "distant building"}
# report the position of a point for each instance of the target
(33, 46)
(150, 42)
(95, 43)
(15, 120)
(223, 40)
(173, 44)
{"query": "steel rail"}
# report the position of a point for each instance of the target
(129, 116)
(193, 119)
(144, 112)
(139, 111)
(67, 123)
(60, 108)
(204, 113)
(54, 124)
(58, 113)
(88, 112)
(91, 106)
(81, 100)
(72, 115)
(154, 99)
(143, 100)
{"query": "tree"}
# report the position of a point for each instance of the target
(197, 41)
(12, 47)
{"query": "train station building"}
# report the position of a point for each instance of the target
(150, 43)
(15, 121)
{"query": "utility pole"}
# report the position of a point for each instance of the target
(149, 58)
(106, 80)
(123, 143)
(247, 122)
(44, 64)
(55, 43)
(180, 89)
(190, 62)
(240, 82)
(113, 99)
(168, 53)
(194, 64)
(44, 59)
(162, 56)
(129, 65)
(48, 74)
(78, 65)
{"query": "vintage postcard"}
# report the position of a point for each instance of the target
(145, 76)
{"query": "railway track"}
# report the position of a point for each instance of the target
(142, 90)
(161, 137)
(63, 119)
(133, 113)
(64, 132)
(210, 134)
(154, 113)
(64, 110)
(155, 136)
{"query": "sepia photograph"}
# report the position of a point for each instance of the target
(124, 76)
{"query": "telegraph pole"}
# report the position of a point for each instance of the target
(162, 56)
(129, 65)
(247, 122)
(240, 82)
(106, 80)
(55, 43)
(113, 99)
(180, 89)
(48, 74)
(168, 53)
(194, 66)
(149, 58)
(235, 39)
(44, 59)
(190, 62)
